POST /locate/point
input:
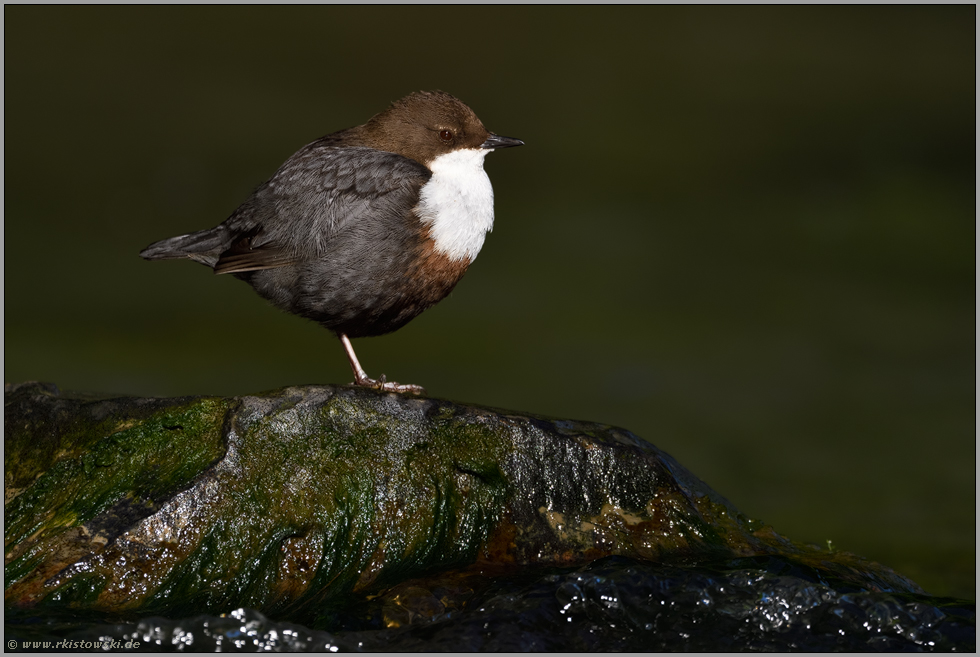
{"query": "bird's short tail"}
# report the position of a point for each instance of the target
(203, 246)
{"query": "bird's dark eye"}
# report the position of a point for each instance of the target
(446, 135)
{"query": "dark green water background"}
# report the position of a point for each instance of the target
(745, 234)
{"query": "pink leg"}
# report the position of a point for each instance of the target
(362, 379)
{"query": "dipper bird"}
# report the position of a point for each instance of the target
(365, 228)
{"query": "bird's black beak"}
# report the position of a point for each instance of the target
(496, 141)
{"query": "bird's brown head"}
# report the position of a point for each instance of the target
(426, 124)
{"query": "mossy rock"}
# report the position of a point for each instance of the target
(296, 501)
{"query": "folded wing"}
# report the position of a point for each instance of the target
(291, 218)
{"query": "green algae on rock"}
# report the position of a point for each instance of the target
(291, 502)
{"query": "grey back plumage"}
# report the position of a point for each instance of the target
(292, 217)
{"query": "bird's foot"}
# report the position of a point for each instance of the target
(384, 385)
(363, 380)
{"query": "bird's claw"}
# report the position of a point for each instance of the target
(383, 385)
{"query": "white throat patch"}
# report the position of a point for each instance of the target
(457, 203)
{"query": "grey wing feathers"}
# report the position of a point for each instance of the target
(315, 194)
(292, 217)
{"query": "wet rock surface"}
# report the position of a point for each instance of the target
(324, 514)
(613, 604)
